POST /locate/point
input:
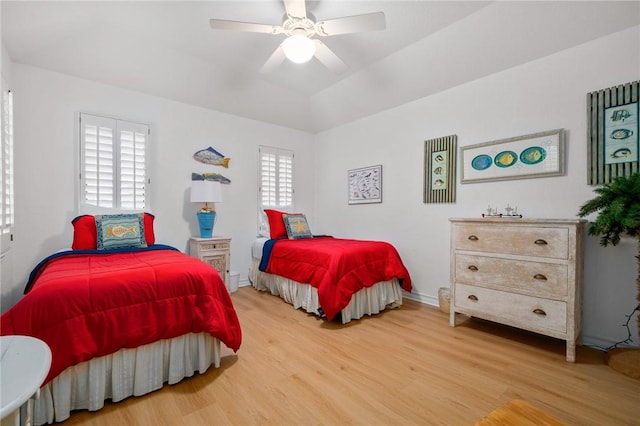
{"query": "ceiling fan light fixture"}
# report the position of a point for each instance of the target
(299, 48)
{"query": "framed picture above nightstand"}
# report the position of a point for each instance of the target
(215, 251)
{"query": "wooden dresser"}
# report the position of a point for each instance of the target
(526, 273)
(216, 251)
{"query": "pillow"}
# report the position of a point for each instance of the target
(84, 233)
(149, 235)
(276, 223)
(263, 225)
(297, 226)
(85, 236)
(120, 231)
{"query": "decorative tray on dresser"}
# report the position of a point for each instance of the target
(525, 273)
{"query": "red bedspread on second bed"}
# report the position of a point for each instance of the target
(337, 267)
(89, 305)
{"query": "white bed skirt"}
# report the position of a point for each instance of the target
(368, 301)
(125, 373)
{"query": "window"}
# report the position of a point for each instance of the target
(113, 163)
(275, 185)
(6, 177)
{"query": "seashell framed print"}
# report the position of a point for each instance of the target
(440, 170)
(612, 133)
(529, 156)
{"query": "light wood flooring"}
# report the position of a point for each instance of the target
(405, 366)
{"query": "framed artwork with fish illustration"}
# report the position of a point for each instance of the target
(365, 185)
(529, 156)
(440, 170)
(612, 134)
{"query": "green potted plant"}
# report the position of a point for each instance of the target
(618, 206)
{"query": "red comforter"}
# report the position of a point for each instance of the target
(89, 305)
(338, 268)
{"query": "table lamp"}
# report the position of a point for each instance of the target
(206, 191)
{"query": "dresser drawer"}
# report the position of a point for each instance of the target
(525, 241)
(214, 245)
(539, 278)
(528, 312)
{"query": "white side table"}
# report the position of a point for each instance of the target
(215, 251)
(24, 365)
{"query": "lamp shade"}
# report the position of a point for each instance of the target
(205, 191)
(299, 48)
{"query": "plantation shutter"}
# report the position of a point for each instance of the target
(6, 177)
(133, 170)
(285, 180)
(113, 163)
(275, 184)
(268, 181)
(97, 141)
(276, 177)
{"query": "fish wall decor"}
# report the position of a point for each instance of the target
(210, 176)
(211, 156)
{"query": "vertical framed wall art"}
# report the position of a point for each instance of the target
(440, 170)
(612, 133)
(365, 185)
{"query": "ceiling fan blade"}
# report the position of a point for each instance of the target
(329, 59)
(352, 24)
(274, 60)
(295, 8)
(221, 24)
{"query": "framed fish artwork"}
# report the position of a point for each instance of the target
(529, 156)
(440, 170)
(612, 134)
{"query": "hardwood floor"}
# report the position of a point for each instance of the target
(405, 366)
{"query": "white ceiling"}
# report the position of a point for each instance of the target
(167, 49)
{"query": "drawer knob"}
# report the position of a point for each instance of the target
(473, 238)
(472, 268)
(540, 312)
(540, 277)
(472, 297)
(540, 242)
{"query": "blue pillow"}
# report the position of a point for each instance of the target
(297, 226)
(120, 231)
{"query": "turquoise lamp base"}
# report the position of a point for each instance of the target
(206, 220)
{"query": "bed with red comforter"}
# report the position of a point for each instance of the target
(87, 304)
(337, 270)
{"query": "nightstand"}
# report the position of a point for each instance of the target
(215, 251)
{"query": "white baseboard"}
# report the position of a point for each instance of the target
(602, 344)
(427, 300)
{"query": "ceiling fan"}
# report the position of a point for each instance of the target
(299, 46)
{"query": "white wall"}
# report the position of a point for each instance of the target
(46, 105)
(546, 94)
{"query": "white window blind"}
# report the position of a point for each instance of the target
(113, 156)
(275, 184)
(6, 177)
(276, 177)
